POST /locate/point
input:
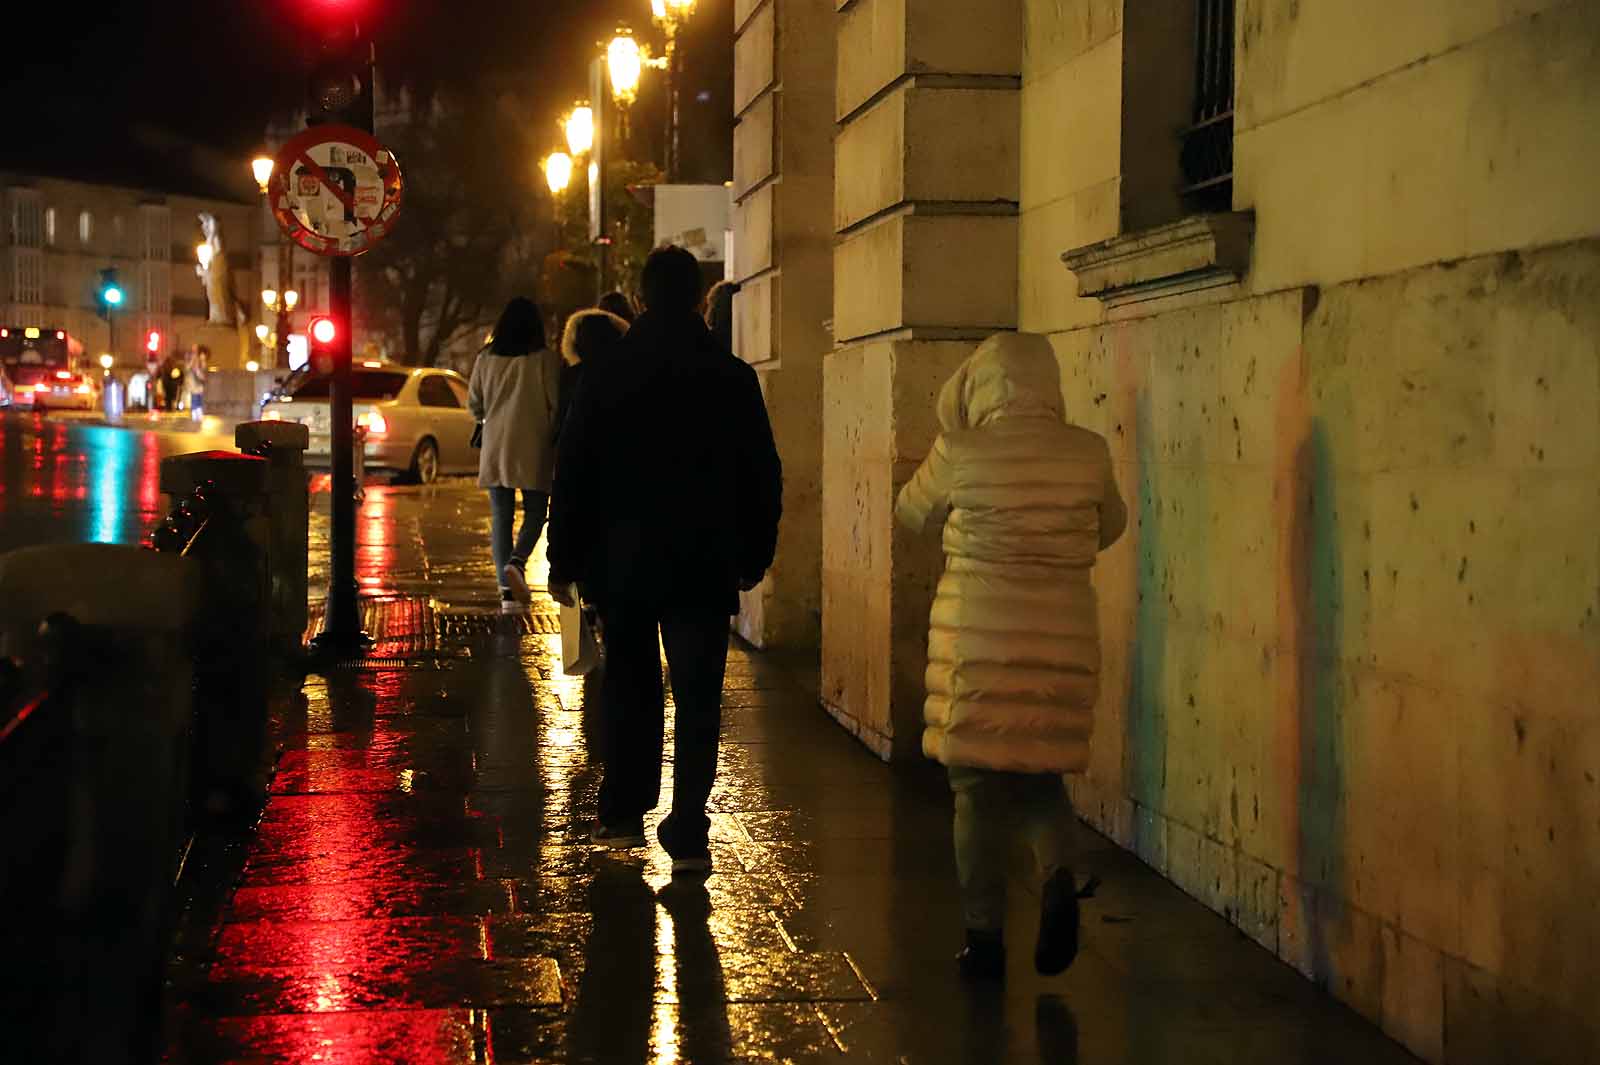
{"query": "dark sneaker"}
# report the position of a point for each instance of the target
(984, 958)
(690, 857)
(1058, 925)
(618, 837)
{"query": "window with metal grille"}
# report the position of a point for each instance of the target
(1206, 158)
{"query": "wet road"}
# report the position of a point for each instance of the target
(66, 481)
(420, 888)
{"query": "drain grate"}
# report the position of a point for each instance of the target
(409, 632)
(430, 661)
(481, 624)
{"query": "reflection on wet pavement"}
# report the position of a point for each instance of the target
(66, 482)
(420, 888)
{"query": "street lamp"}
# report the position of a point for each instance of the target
(579, 128)
(261, 167)
(558, 172)
(670, 16)
(281, 303)
(625, 61)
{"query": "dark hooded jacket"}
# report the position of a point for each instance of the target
(668, 488)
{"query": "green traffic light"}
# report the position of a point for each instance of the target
(112, 295)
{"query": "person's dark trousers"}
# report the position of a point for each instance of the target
(696, 643)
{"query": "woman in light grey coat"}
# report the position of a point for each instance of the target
(514, 392)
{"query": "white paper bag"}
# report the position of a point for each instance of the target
(580, 651)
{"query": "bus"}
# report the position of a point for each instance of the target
(43, 368)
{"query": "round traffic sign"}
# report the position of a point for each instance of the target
(335, 190)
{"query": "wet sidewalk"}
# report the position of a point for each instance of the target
(421, 890)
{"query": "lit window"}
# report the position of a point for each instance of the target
(50, 226)
(85, 227)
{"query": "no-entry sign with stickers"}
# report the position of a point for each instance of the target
(335, 190)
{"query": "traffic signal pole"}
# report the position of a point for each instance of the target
(342, 635)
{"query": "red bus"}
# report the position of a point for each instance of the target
(43, 368)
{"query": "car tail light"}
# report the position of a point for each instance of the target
(41, 388)
(374, 422)
(83, 390)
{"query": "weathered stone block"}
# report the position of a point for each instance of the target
(753, 144)
(1055, 33)
(895, 274)
(882, 40)
(946, 145)
(755, 58)
(1072, 127)
(753, 222)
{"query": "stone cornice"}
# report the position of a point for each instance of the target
(1199, 252)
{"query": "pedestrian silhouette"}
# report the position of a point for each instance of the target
(667, 496)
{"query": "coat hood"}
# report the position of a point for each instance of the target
(572, 339)
(1011, 375)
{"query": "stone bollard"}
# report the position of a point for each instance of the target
(283, 445)
(232, 668)
(92, 790)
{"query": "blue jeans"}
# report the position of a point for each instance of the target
(502, 511)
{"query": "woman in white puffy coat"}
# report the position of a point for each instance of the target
(1013, 646)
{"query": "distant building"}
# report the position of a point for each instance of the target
(62, 231)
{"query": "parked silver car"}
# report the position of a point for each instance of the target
(416, 420)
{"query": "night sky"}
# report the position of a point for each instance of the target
(122, 81)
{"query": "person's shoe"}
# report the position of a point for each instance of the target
(689, 857)
(624, 836)
(517, 582)
(1058, 924)
(509, 605)
(984, 958)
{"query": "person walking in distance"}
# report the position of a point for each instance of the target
(668, 493)
(588, 333)
(1027, 501)
(514, 392)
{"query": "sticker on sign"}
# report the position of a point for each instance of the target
(336, 190)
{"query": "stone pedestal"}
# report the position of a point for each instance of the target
(925, 260)
(283, 445)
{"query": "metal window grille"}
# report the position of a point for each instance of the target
(1207, 155)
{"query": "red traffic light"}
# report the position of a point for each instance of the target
(323, 330)
(152, 342)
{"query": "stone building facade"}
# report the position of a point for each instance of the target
(61, 232)
(1326, 275)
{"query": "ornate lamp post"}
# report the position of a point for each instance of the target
(625, 62)
(671, 16)
(281, 304)
(261, 169)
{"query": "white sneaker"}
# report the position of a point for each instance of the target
(517, 582)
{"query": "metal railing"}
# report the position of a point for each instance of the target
(1206, 158)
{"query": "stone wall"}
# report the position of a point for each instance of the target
(926, 176)
(1351, 643)
(783, 196)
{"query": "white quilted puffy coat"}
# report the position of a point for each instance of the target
(1014, 642)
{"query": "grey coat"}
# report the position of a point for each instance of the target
(515, 398)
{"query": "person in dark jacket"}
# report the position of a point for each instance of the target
(719, 311)
(667, 498)
(587, 333)
(618, 304)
